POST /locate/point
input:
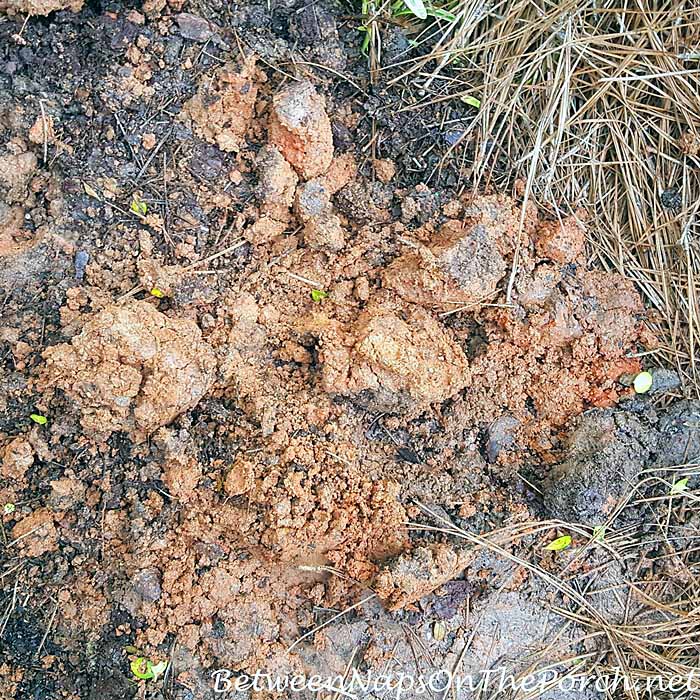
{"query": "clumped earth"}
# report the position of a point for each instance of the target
(257, 350)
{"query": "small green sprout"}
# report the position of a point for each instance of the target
(599, 533)
(138, 206)
(679, 486)
(38, 418)
(471, 101)
(559, 544)
(144, 669)
(442, 14)
(157, 293)
(8, 509)
(642, 382)
(318, 294)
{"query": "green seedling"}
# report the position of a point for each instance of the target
(38, 418)
(138, 206)
(642, 382)
(318, 294)
(559, 544)
(471, 101)
(145, 670)
(679, 486)
(8, 509)
(599, 533)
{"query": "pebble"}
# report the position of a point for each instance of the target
(82, 258)
(664, 380)
(193, 27)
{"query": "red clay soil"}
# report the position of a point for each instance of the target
(349, 321)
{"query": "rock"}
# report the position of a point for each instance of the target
(312, 200)
(537, 288)
(463, 265)
(389, 363)
(322, 230)
(365, 202)
(563, 242)
(471, 257)
(42, 130)
(146, 585)
(38, 7)
(194, 27)
(680, 434)
(14, 238)
(265, 230)
(664, 380)
(277, 183)
(465, 261)
(132, 368)
(301, 130)
(163, 278)
(415, 574)
(222, 109)
(80, 262)
(181, 470)
(609, 307)
(527, 641)
(501, 436)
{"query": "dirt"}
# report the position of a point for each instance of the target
(256, 348)
(38, 7)
(132, 369)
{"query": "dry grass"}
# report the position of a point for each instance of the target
(593, 108)
(657, 638)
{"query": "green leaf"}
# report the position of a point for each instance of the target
(679, 486)
(8, 509)
(142, 668)
(471, 101)
(157, 293)
(559, 544)
(138, 206)
(442, 14)
(417, 7)
(318, 294)
(38, 418)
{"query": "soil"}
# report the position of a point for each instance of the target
(257, 348)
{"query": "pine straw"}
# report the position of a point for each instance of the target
(657, 640)
(586, 102)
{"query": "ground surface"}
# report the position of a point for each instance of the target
(260, 339)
